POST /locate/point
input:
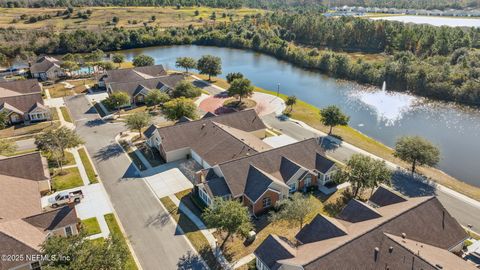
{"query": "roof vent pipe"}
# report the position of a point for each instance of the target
(376, 253)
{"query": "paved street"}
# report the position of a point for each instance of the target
(464, 212)
(156, 240)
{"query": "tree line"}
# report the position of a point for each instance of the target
(436, 62)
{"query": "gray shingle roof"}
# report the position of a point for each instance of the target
(257, 183)
(19, 87)
(33, 161)
(320, 228)
(384, 196)
(216, 187)
(133, 74)
(323, 164)
(43, 64)
(132, 88)
(21, 96)
(357, 211)
(273, 250)
(13, 246)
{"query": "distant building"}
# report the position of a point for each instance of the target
(47, 68)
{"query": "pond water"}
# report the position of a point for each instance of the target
(377, 113)
(433, 20)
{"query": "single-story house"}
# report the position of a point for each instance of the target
(138, 90)
(387, 232)
(130, 75)
(212, 139)
(22, 101)
(260, 179)
(47, 68)
(37, 171)
(24, 225)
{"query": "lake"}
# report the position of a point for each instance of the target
(379, 114)
(433, 20)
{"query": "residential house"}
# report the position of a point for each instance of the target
(37, 171)
(23, 224)
(138, 90)
(210, 140)
(130, 75)
(47, 68)
(22, 101)
(387, 232)
(260, 179)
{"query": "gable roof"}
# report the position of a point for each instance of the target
(10, 245)
(216, 187)
(421, 219)
(384, 196)
(322, 163)
(320, 228)
(44, 63)
(258, 182)
(36, 164)
(357, 211)
(272, 250)
(19, 87)
(51, 220)
(288, 168)
(236, 171)
(133, 74)
(19, 198)
(21, 96)
(132, 88)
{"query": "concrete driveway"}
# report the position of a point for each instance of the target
(155, 238)
(168, 182)
(266, 104)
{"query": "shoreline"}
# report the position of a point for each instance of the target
(308, 114)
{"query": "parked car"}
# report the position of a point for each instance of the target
(65, 198)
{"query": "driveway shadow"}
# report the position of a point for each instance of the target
(405, 183)
(108, 152)
(190, 261)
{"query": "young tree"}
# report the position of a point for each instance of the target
(3, 59)
(291, 100)
(211, 65)
(7, 147)
(117, 100)
(186, 89)
(70, 66)
(3, 119)
(332, 116)
(156, 97)
(143, 60)
(118, 58)
(179, 107)
(417, 151)
(110, 253)
(363, 172)
(294, 209)
(228, 216)
(138, 121)
(153, 18)
(115, 19)
(95, 56)
(241, 88)
(233, 76)
(186, 63)
(56, 141)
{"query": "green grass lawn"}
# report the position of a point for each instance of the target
(92, 176)
(91, 226)
(192, 232)
(28, 130)
(66, 114)
(54, 114)
(69, 160)
(115, 229)
(70, 178)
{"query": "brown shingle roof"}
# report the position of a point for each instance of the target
(55, 219)
(321, 228)
(36, 164)
(13, 246)
(236, 171)
(44, 63)
(19, 87)
(384, 196)
(134, 87)
(357, 211)
(23, 103)
(272, 250)
(133, 74)
(422, 219)
(19, 198)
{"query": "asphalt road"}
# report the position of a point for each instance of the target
(464, 212)
(156, 240)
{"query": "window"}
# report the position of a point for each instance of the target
(260, 265)
(35, 266)
(204, 196)
(267, 202)
(68, 231)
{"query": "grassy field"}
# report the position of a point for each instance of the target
(92, 176)
(115, 229)
(309, 114)
(70, 179)
(91, 226)
(101, 16)
(66, 114)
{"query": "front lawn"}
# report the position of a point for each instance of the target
(236, 104)
(54, 114)
(68, 161)
(59, 90)
(91, 226)
(32, 129)
(92, 176)
(66, 114)
(191, 231)
(69, 178)
(115, 230)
